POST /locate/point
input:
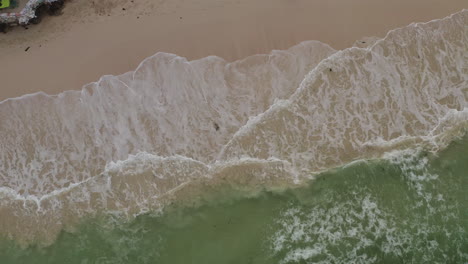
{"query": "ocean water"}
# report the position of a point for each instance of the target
(410, 207)
(307, 155)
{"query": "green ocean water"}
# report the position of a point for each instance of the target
(409, 208)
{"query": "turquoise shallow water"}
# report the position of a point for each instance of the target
(218, 140)
(408, 208)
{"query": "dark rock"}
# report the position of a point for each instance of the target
(3, 27)
(40, 12)
(55, 8)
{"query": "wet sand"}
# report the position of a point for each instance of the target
(92, 38)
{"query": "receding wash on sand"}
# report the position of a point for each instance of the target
(304, 155)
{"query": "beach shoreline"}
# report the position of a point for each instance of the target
(67, 52)
(130, 137)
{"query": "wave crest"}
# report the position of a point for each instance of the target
(173, 129)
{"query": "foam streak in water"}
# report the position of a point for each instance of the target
(132, 143)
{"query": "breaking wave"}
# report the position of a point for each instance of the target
(172, 128)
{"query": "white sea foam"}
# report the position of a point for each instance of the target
(125, 142)
(344, 227)
(305, 234)
(408, 87)
(167, 107)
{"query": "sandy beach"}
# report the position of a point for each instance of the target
(310, 152)
(91, 38)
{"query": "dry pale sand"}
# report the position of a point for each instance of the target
(94, 38)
